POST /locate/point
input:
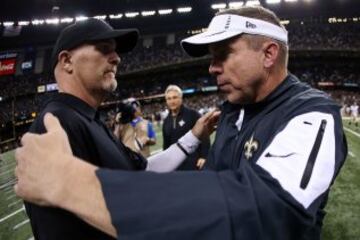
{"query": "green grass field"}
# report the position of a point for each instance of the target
(341, 222)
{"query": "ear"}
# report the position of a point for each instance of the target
(271, 53)
(65, 61)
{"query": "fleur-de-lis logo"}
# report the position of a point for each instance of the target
(250, 147)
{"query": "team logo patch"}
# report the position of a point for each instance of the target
(250, 147)
(181, 123)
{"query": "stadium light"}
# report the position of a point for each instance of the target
(273, 1)
(117, 16)
(101, 17)
(252, 3)
(236, 4)
(165, 11)
(66, 20)
(23, 23)
(81, 18)
(53, 21)
(37, 22)
(131, 14)
(285, 22)
(218, 6)
(291, 0)
(8, 24)
(184, 9)
(148, 13)
(0, 99)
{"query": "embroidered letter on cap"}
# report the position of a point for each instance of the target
(250, 25)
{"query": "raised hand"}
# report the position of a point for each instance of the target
(206, 125)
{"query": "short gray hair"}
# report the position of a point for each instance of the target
(174, 88)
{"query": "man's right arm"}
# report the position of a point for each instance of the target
(88, 185)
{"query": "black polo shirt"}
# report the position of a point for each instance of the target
(90, 140)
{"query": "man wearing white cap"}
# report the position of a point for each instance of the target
(278, 148)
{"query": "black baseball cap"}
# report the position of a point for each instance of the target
(90, 30)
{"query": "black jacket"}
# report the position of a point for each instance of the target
(176, 127)
(268, 180)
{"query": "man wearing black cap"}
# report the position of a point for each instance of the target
(84, 63)
(279, 146)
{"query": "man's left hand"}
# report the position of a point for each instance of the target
(206, 125)
(43, 162)
(200, 163)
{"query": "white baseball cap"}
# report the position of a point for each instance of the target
(226, 26)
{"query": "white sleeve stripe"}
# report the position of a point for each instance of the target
(286, 158)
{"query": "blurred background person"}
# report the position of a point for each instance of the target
(133, 130)
(180, 120)
(354, 110)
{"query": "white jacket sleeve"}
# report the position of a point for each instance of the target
(172, 157)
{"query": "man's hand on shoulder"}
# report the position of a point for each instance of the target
(42, 161)
(206, 125)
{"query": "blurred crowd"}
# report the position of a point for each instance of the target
(24, 106)
(157, 55)
(309, 36)
(305, 36)
(20, 98)
(323, 73)
(319, 36)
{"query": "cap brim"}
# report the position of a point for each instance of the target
(198, 45)
(126, 39)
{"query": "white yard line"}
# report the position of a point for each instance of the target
(13, 203)
(8, 191)
(351, 131)
(11, 196)
(20, 224)
(6, 172)
(8, 165)
(356, 134)
(12, 214)
(32, 238)
(7, 184)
